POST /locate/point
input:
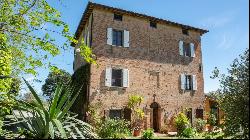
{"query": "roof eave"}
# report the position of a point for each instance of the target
(92, 5)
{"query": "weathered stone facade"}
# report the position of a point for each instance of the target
(154, 65)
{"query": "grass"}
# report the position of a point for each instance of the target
(203, 135)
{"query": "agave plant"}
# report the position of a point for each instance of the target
(54, 121)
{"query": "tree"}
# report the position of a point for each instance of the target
(233, 96)
(27, 43)
(24, 32)
(54, 78)
(5, 69)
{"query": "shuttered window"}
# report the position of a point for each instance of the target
(188, 82)
(186, 49)
(117, 77)
(118, 37)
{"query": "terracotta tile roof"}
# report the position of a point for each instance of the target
(92, 5)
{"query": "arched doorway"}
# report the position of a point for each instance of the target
(156, 116)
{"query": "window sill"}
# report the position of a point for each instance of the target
(117, 87)
(118, 46)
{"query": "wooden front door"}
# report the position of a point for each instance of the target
(155, 120)
(155, 116)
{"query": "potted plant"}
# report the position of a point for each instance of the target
(137, 113)
(137, 131)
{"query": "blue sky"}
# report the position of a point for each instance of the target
(226, 20)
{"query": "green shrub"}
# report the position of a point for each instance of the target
(1, 125)
(212, 119)
(53, 122)
(181, 122)
(200, 124)
(114, 129)
(188, 132)
(148, 134)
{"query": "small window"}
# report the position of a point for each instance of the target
(153, 24)
(185, 31)
(117, 17)
(115, 114)
(188, 82)
(116, 77)
(200, 67)
(187, 49)
(117, 38)
(199, 113)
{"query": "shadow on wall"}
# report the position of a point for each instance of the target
(158, 54)
(80, 80)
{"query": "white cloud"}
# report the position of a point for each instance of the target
(219, 20)
(215, 22)
(226, 42)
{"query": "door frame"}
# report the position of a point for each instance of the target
(155, 116)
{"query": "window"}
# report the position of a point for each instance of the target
(188, 82)
(187, 49)
(185, 31)
(214, 110)
(189, 115)
(153, 24)
(200, 67)
(117, 38)
(116, 77)
(117, 17)
(199, 113)
(115, 114)
(127, 114)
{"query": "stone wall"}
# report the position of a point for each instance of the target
(154, 66)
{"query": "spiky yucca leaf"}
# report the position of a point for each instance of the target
(54, 122)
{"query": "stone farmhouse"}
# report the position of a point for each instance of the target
(144, 55)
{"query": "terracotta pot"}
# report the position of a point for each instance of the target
(210, 128)
(136, 133)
